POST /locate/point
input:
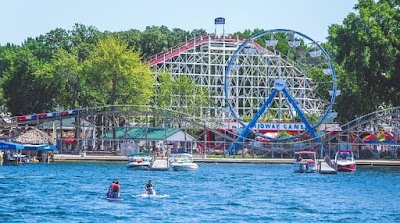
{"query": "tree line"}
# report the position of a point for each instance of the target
(85, 67)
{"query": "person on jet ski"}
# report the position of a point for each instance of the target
(113, 190)
(149, 188)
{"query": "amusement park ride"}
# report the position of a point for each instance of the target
(277, 86)
(254, 88)
(285, 82)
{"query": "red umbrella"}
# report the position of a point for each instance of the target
(369, 138)
(69, 140)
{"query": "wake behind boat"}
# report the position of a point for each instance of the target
(153, 196)
(183, 162)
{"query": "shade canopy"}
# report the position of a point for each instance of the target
(11, 146)
(40, 147)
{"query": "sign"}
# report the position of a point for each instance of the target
(219, 21)
(279, 126)
(279, 84)
(269, 126)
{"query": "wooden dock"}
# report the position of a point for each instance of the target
(325, 168)
(160, 164)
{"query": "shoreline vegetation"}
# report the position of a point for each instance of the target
(213, 159)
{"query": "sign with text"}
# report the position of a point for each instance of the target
(269, 126)
(283, 126)
(219, 21)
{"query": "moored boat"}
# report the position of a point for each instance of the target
(183, 162)
(344, 161)
(305, 162)
(139, 161)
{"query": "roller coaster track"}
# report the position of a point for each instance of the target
(119, 111)
(370, 123)
(351, 133)
(192, 44)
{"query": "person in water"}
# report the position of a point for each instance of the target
(113, 190)
(149, 187)
(110, 189)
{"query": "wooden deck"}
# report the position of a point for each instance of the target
(324, 168)
(160, 164)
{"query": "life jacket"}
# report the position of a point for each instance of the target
(115, 187)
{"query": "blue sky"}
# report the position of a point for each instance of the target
(20, 19)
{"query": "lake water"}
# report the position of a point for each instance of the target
(74, 192)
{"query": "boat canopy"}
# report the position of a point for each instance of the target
(138, 154)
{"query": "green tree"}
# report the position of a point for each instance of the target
(154, 40)
(28, 87)
(188, 98)
(164, 91)
(68, 72)
(8, 54)
(84, 39)
(117, 75)
(367, 46)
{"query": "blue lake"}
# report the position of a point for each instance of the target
(74, 192)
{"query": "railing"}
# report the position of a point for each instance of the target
(187, 45)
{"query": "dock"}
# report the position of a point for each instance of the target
(325, 168)
(98, 158)
(160, 164)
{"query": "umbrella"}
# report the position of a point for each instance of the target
(368, 138)
(69, 140)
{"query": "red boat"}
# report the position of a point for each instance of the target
(344, 160)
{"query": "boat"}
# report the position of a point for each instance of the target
(139, 161)
(344, 161)
(183, 162)
(305, 162)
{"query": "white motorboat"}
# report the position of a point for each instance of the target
(183, 162)
(139, 161)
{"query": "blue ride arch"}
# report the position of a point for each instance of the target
(279, 85)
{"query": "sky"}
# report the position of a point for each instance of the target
(20, 19)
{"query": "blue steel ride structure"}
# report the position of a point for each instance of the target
(284, 80)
